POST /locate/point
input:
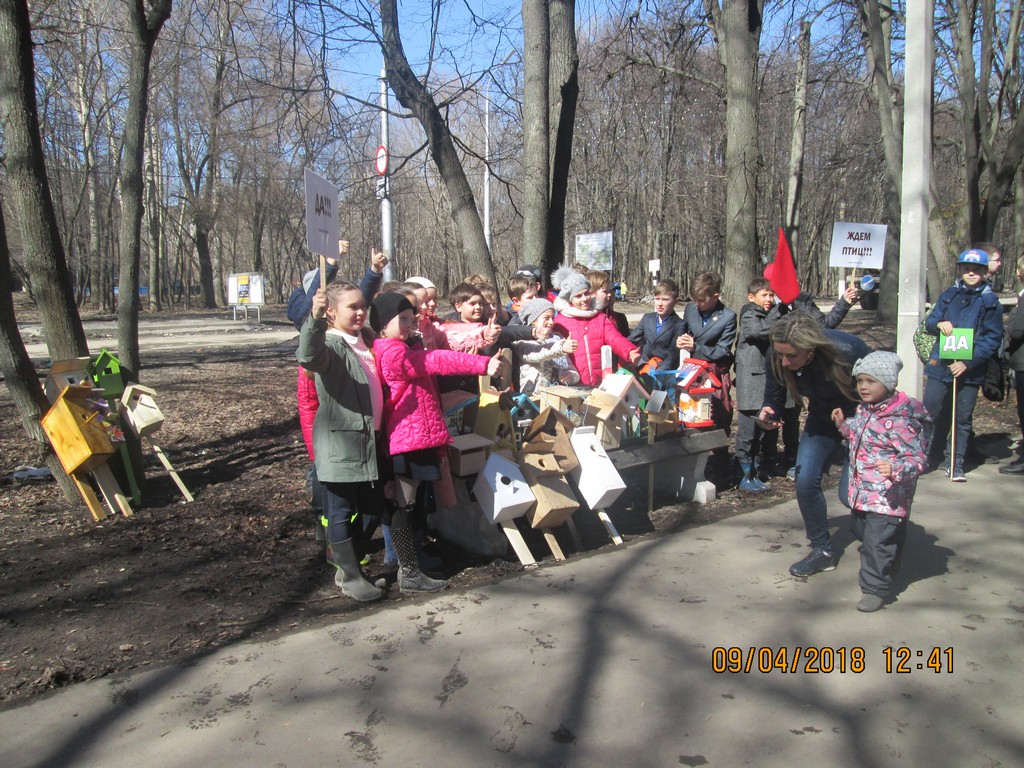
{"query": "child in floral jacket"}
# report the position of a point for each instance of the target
(887, 439)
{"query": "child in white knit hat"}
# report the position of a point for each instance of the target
(888, 440)
(544, 359)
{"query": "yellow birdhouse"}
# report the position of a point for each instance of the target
(76, 432)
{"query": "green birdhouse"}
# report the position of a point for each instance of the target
(106, 372)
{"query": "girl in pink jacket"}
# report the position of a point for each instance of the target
(413, 421)
(887, 440)
(577, 319)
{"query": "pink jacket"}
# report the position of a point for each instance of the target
(309, 401)
(896, 430)
(592, 333)
(412, 409)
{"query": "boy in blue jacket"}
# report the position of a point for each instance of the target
(966, 305)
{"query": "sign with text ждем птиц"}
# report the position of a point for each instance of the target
(860, 246)
(321, 216)
(959, 345)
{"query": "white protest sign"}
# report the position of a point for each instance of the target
(321, 216)
(861, 246)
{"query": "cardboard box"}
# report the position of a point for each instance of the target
(502, 491)
(598, 481)
(555, 499)
(468, 453)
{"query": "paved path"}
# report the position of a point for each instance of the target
(609, 660)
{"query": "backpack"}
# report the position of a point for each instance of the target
(924, 341)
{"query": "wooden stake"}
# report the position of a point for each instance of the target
(952, 437)
(610, 526)
(111, 490)
(170, 469)
(323, 272)
(95, 508)
(556, 551)
(574, 533)
(515, 538)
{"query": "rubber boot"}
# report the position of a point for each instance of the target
(750, 481)
(342, 555)
(411, 580)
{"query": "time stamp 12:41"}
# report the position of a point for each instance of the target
(827, 659)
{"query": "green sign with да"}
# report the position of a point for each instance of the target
(959, 345)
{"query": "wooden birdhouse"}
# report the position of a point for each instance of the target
(66, 373)
(568, 401)
(106, 372)
(697, 385)
(468, 453)
(76, 430)
(141, 410)
(555, 499)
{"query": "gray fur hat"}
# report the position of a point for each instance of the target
(881, 366)
(568, 282)
(533, 309)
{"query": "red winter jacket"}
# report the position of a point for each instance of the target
(309, 401)
(592, 333)
(412, 407)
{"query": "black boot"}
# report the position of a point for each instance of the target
(342, 555)
(411, 580)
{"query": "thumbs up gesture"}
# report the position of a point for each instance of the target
(496, 365)
(491, 331)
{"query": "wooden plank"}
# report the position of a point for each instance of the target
(575, 534)
(556, 551)
(95, 508)
(663, 450)
(170, 469)
(515, 538)
(111, 490)
(610, 526)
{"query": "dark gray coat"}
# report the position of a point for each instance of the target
(752, 345)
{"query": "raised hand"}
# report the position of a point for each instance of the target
(496, 365)
(378, 260)
(320, 304)
(570, 345)
(491, 331)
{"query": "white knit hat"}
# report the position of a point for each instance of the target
(881, 366)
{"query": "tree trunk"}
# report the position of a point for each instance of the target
(20, 375)
(739, 35)
(536, 133)
(414, 96)
(563, 93)
(30, 191)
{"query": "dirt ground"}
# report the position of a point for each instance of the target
(81, 600)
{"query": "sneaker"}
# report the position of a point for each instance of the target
(959, 476)
(1014, 468)
(791, 474)
(819, 560)
(870, 603)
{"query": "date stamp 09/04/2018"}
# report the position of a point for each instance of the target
(827, 659)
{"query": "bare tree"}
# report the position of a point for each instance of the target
(30, 191)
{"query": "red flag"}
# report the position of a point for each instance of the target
(781, 273)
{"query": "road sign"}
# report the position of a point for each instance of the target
(381, 163)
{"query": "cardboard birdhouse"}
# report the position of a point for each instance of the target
(468, 453)
(66, 373)
(502, 491)
(106, 372)
(75, 426)
(555, 499)
(596, 477)
(140, 409)
(626, 388)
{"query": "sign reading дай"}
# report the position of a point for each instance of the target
(861, 246)
(959, 345)
(321, 216)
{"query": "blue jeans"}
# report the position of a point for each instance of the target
(818, 444)
(938, 397)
